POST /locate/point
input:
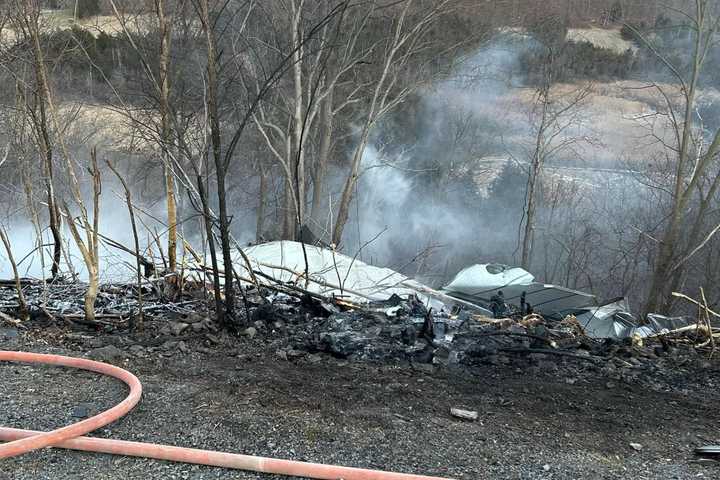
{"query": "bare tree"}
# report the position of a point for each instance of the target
(347, 69)
(225, 136)
(139, 319)
(556, 115)
(48, 130)
(405, 41)
(26, 23)
(695, 181)
(88, 245)
(165, 31)
(221, 163)
(22, 304)
(320, 61)
(182, 130)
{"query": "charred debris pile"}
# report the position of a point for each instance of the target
(303, 300)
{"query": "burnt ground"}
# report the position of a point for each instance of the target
(558, 418)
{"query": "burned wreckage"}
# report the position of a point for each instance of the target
(509, 291)
(370, 313)
(305, 299)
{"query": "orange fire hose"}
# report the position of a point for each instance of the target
(70, 437)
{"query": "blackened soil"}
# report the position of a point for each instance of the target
(570, 422)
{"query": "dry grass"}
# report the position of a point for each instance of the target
(609, 39)
(54, 20)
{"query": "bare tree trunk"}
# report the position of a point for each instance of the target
(288, 211)
(260, 224)
(322, 161)
(42, 127)
(89, 246)
(529, 233)
(533, 179)
(220, 167)
(164, 67)
(705, 28)
(401, 45)
(138, 322)
(207, 219)
(677, 271)
(298, 119)
(23, 308)
(348, 189)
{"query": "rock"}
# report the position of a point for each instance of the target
(213, 339)
(182, 346)
(538, 357)
(343, 344)
(9, 336)
(610, 385)
(423, 356)
(409, 335)
(548, 366)
(169, 345)
(546, 467)
(282, 354)
(636, 446)
(293, 354)
(263, 313)
(492, 360)
(177, 328)
(137, 350)
(424, 367)
(9, 333)
(250, 332)
(194, 318)
(464, 414)
(80, 411)
(95, 343)
(108, 354)
(197, 327)
(209, 325)
(441, 356)
(314, 358)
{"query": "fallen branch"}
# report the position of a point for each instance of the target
(685, 297)
(707, 322)
(561, 353)
(18, 287)
(687, 328)
(552, 343)
(12, 321)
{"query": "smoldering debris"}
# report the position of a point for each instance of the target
(117, 304)
(290, 303)
(327, 272)
(514, 291)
